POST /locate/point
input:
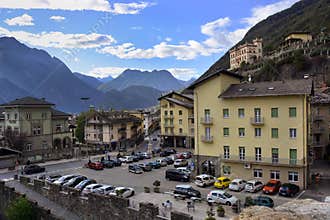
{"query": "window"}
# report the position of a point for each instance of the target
(36, 130)
(241, 132)
(258, 153)
(274, 155)
(293, 176)
(257, 114)
(241, 113)
(28, 147)
(58, 128)
(257, 173)
(15, 116)
(225, 113)
(257, 132)
(274, 113)
(180, 130)
(293, 133)
(207, 132)
(44, 115)
(226, 170)
(292, 112)
(171, 112)
(94, 127)
(293, 156)
(180, 112)
(8, 116)
(226, 153)
(274, 132)
(44, 145)
(275, 174)
(180, 121)
(165, 112)
(16, 131)
(94, 136)
(241, 153)
(225, 132)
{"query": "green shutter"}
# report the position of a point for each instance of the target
(225, 131)
(292, 112)
(274, 132)
(274, 112)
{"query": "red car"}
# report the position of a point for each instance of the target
(95, 165)
(272, 187)
(179, 156)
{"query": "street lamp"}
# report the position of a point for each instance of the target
(84, 100)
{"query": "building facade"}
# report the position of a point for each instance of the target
(44, 130)
(177, 120)
(252, 130)
(247, 53)
(116, 129)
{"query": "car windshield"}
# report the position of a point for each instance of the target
(249, 184)
(270, 184)
(227, 195)
(233, 183)
(198, 178)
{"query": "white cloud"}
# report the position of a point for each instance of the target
(60, 40)
(76, 5)
(168, 39)
(211, 28)
(184, 73)
(23, 20)
(137, 28)
(57, 18)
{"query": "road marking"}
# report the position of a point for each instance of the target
(300, 194)
(7, 180)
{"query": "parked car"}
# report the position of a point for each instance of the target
(126, 159)
(156, 150)
(135, 158)
(74, 181)
(222, 182)
(171, 151)
(253, 186)
(104, 189)
(90, 188)
(288, 189)
(84, 183)
(135, 169)
(169, 160)
(180, 163)
(184, 170)
(187, 190)
(31, 169)
(145, 155)
(221, 197)
(272, 187)
(154, 164)
(140, 156)
(145, 167)
(187, 155)
(204, 180)
(95, 165)
(124, 192)
(65, 179)
(237, 185)
(174, 174)
(179, 156)
(107, 163)
(116, 162)
(162, 162)
(260, 201)
(154, 139)
(52, 178)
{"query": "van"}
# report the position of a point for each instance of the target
(187, 190)
(173, 174)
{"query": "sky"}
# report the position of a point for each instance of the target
(101, 38)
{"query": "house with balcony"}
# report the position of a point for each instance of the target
(43, 130)
(177, 120)
(252, 130)
(113, 129)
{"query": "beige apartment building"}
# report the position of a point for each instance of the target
(177, 120)
(252, 130)
(44, 129)
(113, 129)
(247, 53)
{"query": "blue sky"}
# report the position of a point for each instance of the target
(101, 37)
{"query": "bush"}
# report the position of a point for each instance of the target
(20, 209)
(220, 211)
(146, 189)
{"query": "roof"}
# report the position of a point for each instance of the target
(8, 151)
(209, 74)
(58, 113)
(27, 101)
(275, 88)
(297, 32)
(116, 116)
(184, 95)
(179, 102)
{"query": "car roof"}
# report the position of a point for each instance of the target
(237, 180)
(253, 181)
(105, 186)
(183, 186)
(92, 185)
(204, 175)
(218, 191)
(222, 177)
(273, 181)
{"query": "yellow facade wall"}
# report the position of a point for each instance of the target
(303, 37)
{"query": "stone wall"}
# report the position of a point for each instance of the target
(8, 194)
(97, 207)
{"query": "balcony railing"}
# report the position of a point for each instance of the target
(257, 121)
(190, 116)
(319, 130)
(168, 116)
(207, 139)
(207, 120)
(317, 144)
(265, 160)
(168, 125)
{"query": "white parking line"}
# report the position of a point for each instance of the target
(300, 194)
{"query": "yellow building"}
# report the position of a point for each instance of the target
(177, 120)
(303, 36)
(252, 130)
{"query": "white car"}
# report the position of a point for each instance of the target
(237, 185)
(180, 163)
(221, 197)
(104, 189)
(253, 186)
(184, 170)
(126, 159)
(90, 188)
(124, 192)
(64, 179)
(162, 162)
(204, 180)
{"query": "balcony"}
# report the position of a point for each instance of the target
(317, 144)
(318, 130)
(318, 118)
(168, 116)
(190, 116)
(168, 125)
(207, 121)
(257, 121)
(265, 160)
(207, 139)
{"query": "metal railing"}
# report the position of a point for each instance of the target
(207, 120)
(166, 125)
(264, 160)
(207, 139)
(168, 116)
(257, 120)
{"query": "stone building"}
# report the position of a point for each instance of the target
(114, 129)
(247, 53)
(44, 129)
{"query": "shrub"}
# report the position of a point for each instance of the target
(20, 209)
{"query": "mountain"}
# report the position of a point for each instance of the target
(105, 79)
(10, 91)
(91, 81)
(305, 15)
(162, 80)
(188, 82)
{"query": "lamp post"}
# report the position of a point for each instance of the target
(84, 100)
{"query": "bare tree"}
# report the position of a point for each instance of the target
(15, 140)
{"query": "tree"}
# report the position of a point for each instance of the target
(20, 209)
(80, 130)
(14, 139)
